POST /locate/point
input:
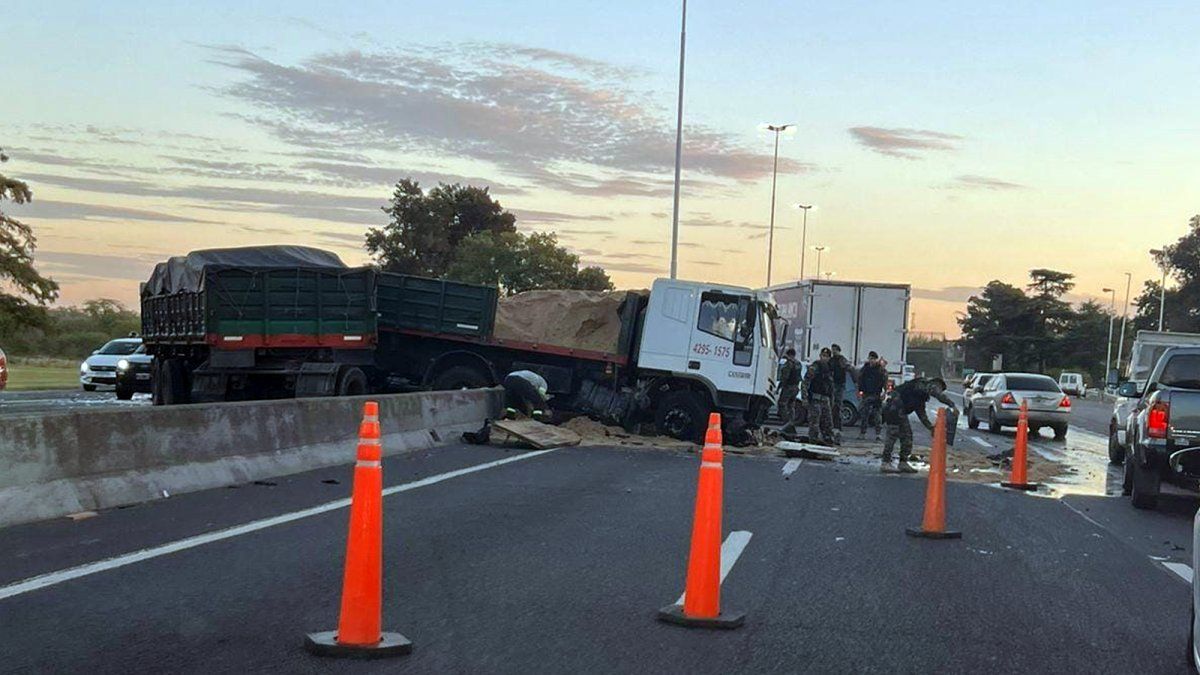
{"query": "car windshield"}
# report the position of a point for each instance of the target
(1032, 383)
(119, 348)
(1182, 372)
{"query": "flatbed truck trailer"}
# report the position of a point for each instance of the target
(276, 322)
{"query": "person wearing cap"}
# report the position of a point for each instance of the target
(910, 397)
(840, 368)
(526, 392)
(872, 379)
(818, 392)
(789, 389)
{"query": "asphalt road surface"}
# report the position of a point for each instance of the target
(557, 562)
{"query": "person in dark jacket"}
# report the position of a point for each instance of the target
(818, 392)
(910, 397)
(789, 389)
(872, 379)
(840, 368)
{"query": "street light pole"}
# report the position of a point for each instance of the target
(1161, 256)
(778, 129)
(803, 237)
(1124, 318)
(1112, 317)
(678, 147)
(819, 250)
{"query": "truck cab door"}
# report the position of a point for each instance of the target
(723, 341)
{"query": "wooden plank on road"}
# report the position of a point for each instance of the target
(537, 434)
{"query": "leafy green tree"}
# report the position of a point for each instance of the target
(1084, 340)
(427, 228)
(28, 292)
(1182, 260)
(1052, 315)
(1000, 321)
(515, 263)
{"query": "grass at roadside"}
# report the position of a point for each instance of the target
(28, 373)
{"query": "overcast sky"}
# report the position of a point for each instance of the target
(945, 144)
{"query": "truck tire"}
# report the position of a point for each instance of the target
(682, 415)
(175, 387)
(1144, 486)
(460, 377)
(352, 381)
(849, 414)
(1116, 453)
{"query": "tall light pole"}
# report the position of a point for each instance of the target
(1161, 256)
(1112, 317)
(778, 129)
(803, 237)
(678, 147)
(819, 250)
(1124, 318)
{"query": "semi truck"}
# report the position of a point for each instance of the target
(289, 321)
(861, 317)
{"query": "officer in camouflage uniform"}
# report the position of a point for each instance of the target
(789, 388)
(909, 398)
(818, 392)
(840, 366)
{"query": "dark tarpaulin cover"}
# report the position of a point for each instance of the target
(186, 273)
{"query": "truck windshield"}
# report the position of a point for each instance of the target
(1182, 372)
(767, 320)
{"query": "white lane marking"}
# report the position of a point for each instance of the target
(981, 442)
(791, 465)
(1184, 571)
(731, 550)
(54, 578)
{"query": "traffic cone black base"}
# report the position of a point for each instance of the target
(1020, 486)
(326, 644)
(924, 534)
(725, 620)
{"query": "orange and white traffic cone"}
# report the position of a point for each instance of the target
(359, 634)
(1017, 479)
(702, 598)
(933, 525)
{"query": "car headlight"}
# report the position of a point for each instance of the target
(123, 364)
(83, 368)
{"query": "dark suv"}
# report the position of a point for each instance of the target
(1163, 427)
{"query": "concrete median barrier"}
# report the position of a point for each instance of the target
(61, 463)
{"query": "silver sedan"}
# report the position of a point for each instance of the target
(999, 404)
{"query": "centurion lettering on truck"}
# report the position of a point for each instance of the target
(283, 321)
(860, 316)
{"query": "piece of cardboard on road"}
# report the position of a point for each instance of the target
(807, 450)
(540, 436)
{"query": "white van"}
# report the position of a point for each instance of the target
(1072, 383)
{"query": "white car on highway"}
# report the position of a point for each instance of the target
(100, 369)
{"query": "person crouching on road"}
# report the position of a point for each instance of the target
(840, 368)
(525, 392)
(909, 398)
(871, 381)
(818, 392)
(789, 389)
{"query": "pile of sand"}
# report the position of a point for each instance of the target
(574, 319)
(596, 433)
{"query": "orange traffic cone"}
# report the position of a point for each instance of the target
(359, 633)
(1017, 479)
(702, 599)
(933, 525)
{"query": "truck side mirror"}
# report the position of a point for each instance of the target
(1129, 390)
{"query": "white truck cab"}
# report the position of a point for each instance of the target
(720, 337)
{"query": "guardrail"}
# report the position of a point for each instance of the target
(62, 463)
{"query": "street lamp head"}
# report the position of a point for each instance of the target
(820, 248)
(777, 127)
(1108, 290)
(804, 207)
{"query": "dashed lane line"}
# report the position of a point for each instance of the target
(54, 578)
(731, 550)
(1184, 571)
(790, 467)
(981, 441)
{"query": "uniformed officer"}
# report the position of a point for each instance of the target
(909, 398)
(789, 389)
(818, 392)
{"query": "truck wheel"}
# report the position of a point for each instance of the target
(849, 414)
(994, 425)
(460, 377)
(156, 397)
(174, 388)
(1146, 482)
(352, 382)
(1116, 454)
(682, 415)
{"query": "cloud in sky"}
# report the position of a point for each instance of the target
(904, 143)
(60, 210)
(973, 182)
(530, 112)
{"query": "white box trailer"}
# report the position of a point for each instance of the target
(860, 316)
(1149, 345)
